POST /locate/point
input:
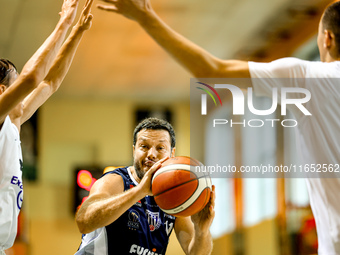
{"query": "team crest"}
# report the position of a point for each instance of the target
(133, 222)
(153, 220)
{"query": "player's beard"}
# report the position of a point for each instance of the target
(138, 169)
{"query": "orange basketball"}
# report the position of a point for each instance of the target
(179, 188)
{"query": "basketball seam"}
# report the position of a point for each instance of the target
(186, 199)
(190, 197)
(178, 186)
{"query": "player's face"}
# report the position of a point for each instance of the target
(151, 146)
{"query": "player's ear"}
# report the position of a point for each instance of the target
(329, 39)
(2, 88)
(173, 152)
(133, 149)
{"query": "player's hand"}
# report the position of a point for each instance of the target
(132, 9)
(203, 219)
(145, 183)
(69, 10)
(85, 19)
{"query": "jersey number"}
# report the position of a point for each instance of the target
(168, 227)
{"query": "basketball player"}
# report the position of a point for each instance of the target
(120, 215)
(318, 134)
(20, 96)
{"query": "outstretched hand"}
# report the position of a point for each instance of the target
(85, 19)
(132, 9)
(203, 219)
(69, 10)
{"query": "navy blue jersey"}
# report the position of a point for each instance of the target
(143, 229)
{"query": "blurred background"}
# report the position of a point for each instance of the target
(119, 76)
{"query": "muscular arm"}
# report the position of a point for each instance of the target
(192, 240)
(106, 203)
(193, 232)
(108, 200)
(36, 68)
(60, 66)
(198, 61)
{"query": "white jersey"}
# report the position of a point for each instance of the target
(11, 188)
(318, 135)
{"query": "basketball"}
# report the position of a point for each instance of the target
(179, 189)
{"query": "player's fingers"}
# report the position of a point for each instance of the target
(74, 2)
(164, 159)
(159, 162)
(89, 18)
(157, 165)
(212, 197)
(87, 7)
(107, 8)
(212, 212)
(154, 168)
(109, 1)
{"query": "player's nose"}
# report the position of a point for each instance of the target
(152, 153)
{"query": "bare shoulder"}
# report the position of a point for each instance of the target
(108, 185)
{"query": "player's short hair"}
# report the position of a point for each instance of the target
(155, 124)
(331, 21)
(6, 67)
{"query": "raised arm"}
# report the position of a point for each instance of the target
(198, 61)
(37, 67)
(60, 65)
